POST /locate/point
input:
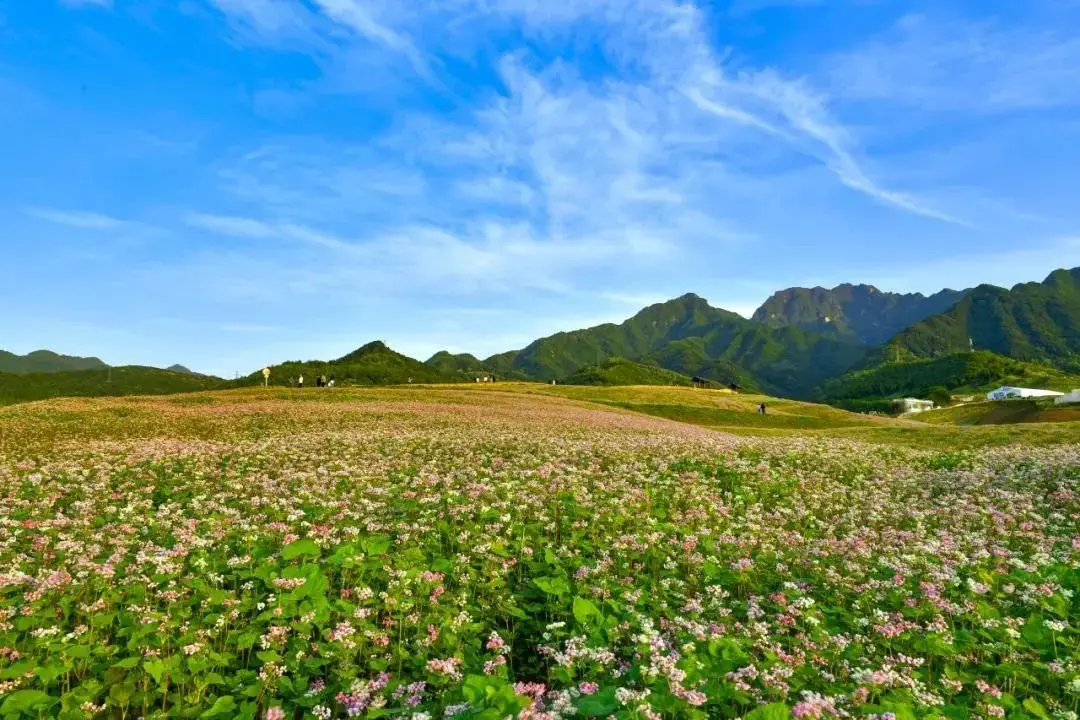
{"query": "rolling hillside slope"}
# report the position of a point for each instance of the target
(46, 361)
(123, 380)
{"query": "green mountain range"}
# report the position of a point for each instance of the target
(689, 336)
(851, 345)
(1032, 321)
(46, 361)
(857, 313)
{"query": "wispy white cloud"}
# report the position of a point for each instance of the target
(685, 80)
(76, 219)
(955, 64)
(229, 225)
(273, 21)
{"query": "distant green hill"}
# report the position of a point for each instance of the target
(620, 371)
(973, 372)
(372, 364)
(46, 361)
(1032, 321)
(467, 367)
(464, 363)
(502, 365)
(180, 369)
(124, 380)
(787, 361)
(859, 313)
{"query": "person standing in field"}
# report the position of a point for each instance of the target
(301, 382)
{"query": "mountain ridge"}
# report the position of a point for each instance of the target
(793, 345)
(849, 311)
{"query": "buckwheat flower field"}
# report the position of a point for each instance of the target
(490, 555)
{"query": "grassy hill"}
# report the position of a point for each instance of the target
(1026, 410)
(971, 372)
(124, 380)
(859, 313)
(372, 364)
(620, 371)
(737, 414)
(46, 361)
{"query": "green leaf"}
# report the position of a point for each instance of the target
(17, 670)
(23, 701)
(514, 611)
(599, 704)
(298, 548)
(1034, 707)
(552, 585)
(585, 610)
(48, 673)
(475, 689)
(376, 544)
(224, 705)
(155, 668)
(772, 711)
(127, 663)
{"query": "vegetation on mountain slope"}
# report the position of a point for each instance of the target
(46, 361)
(620, 371)
(1032, 321)
(857, 313)
(372, 364)
(873, 388)
(450, 364)
(124, 380)
(691, 357)
(784, 361)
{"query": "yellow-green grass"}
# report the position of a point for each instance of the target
(1002, 412)
(736, 413)
(248, 413)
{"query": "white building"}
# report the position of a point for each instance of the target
(1073, 397)
(906, 405)
(1006, 392)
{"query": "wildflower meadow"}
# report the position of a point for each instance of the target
(456, 554)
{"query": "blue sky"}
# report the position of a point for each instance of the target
(230, 183)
